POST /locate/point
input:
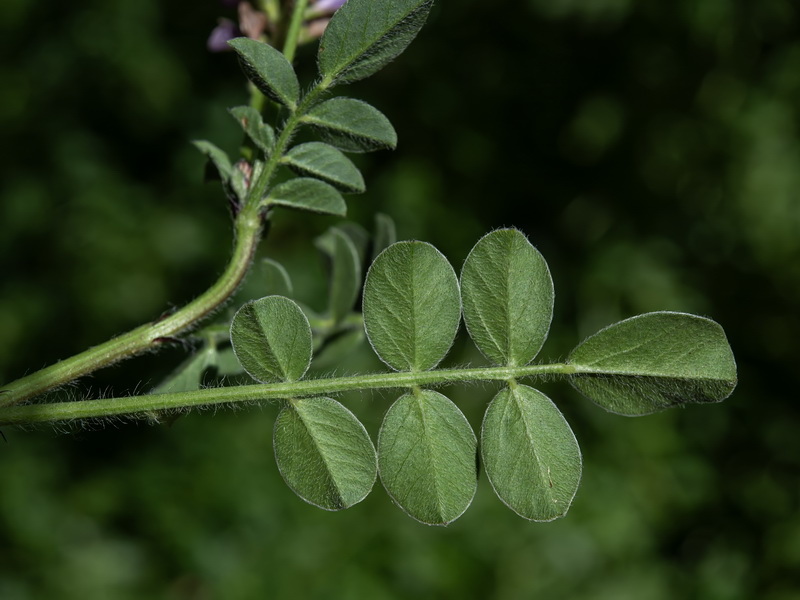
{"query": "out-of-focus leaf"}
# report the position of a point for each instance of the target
(254, 127)
(385, 234)
(276, 280)
(227, 364)
(358, 235)
(345, 272)
(338, 347)
(189, 375)
(238, 183)
(217, 157)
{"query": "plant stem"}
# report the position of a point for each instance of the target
(259, 187)
(131, 405)
(293, 33)
(150, 335)
(248, 226)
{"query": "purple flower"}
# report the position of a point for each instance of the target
(329, 6)
(218, 40)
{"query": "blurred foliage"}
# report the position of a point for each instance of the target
(649, 149)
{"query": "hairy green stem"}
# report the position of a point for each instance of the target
(150, 335)
(294, 120)
(248, 226)
(132, 405)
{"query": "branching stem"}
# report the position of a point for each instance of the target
(150, 335)
(248, 229)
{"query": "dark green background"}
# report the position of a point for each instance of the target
(649, 149)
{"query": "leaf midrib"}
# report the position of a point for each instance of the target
(431, 456)
(549, 491)
(322, 455)
(621, 373)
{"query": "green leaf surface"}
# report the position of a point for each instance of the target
(654, 361)
(252, 124)
(275, 279)
(227, 364)
(327, 163)
(304, 193)
(324, 453)
(269, 71)
(364, 35)
(238, 184)
(272, 339)
(385, 234)
(352, 125)
(337, 347)
(345, 272)
(217, 157)
(427, 457)
(411, 306)
(316, 320)
(530, 454)
(508, 297)
(358, 235)
(267, 278)
(188, 376)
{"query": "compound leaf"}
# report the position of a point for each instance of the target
(272, 339)
(327, 163)
(304, 193)
(252, 124)
(654, 361)
(426, 457)
(364, 35)
(269, 71)
(411, 306)
(345, 271)
(530, 454)
(508, 297)
(352, 125)
(324, 453)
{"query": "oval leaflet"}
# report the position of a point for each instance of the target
(324, 453)
(412, 306)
